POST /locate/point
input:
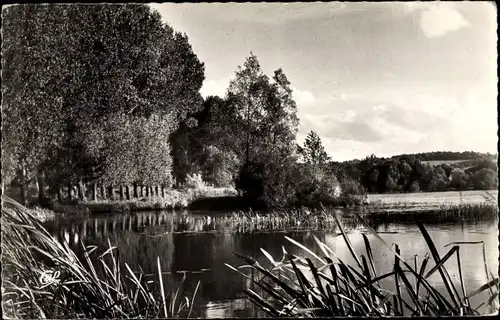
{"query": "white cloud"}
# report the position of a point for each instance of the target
(303, 97)
(439, 19)
(214, 88)
(344, 96)
(380, 108)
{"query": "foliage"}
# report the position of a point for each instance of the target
(99, 66)
(42, 278)
(485, 179)
(220, 168)
(265, 112)
(313, 151)
(267, 183)
(194, 181)
(284, 184)
(408, 174)
(315, 187)
(298, 287)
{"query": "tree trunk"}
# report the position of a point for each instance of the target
(127, 192)
(111, 193)
(163, 192)
(122, 193)
(59, 194)
(22, 186)
(103, 192)
(136, 193)
(147, 192)
(81, 190)
(141, 190)
(94, 191)
(157, 193)
(70, 194)
(40, 181)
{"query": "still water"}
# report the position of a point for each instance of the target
(198, 244)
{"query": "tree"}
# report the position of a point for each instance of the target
(69, 67)
(265, 111)
(220, 167)
(458, 179)
(33, 79)
(313, 151)
(485, 179)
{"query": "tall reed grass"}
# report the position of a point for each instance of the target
(42, 278)
(297, 287)
(444, 213)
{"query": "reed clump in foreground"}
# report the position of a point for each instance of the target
(42, 278)
(295, 286)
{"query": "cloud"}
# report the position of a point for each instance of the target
(439, 19)
(358, 127)
(214, 88)
(303, 97)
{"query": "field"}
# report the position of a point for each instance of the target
(431, 200)
(448, 162)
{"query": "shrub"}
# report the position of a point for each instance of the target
(315, 187)
(414, 187)
(194, 181)
(286, 183)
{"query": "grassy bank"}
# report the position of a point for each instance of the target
(173, 200)
(305, 219)
(42, 278)
(298, 286)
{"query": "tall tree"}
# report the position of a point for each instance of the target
(265, 111)
(313, 151)
(33, 85)
(71, 66)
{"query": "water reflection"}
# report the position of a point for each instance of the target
(198, 245)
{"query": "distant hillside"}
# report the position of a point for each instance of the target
(456, 163)
(450, 156)
(432, 171)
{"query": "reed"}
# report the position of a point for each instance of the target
(297, 287)
(43, 278)
(444, 213)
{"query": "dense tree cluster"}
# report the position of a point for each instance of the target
(406, 173)
(92, 94)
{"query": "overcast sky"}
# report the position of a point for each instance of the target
(381, 78)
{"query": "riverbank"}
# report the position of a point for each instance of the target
(173, 200)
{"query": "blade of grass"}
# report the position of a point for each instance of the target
(162, 290)
(436, 258)
(346, 239)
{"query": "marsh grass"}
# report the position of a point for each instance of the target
(295, 286)
(445, 213)
(42, 278)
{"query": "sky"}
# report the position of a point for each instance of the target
(368, 77)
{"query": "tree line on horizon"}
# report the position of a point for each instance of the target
(104, 97)
(415, 172)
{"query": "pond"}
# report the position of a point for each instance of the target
(195, 244)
